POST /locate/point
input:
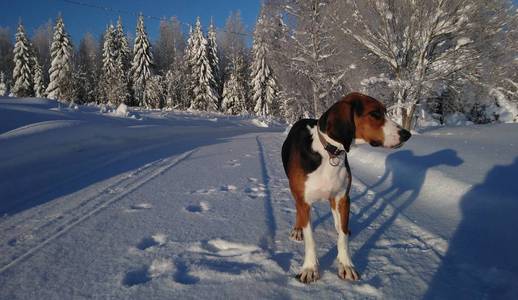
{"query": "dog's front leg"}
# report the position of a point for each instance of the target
(309, 272)
(341, 216)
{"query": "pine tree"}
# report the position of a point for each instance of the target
(23, 63)
(174, 88)
(212, 52)
(154, 92)
(112, 84)
(123, 57)
(233, 96)
(61, 80)
(39, 89)
(264, 86)
(3, 85)
(142, 63)
(202, 81)
(121, 44)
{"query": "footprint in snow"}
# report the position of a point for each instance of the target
(198, 208)
(228, 188)
(233, 163)
(159, 267)
(149, 242)
(256, 192)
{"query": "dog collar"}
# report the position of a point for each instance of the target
(330, 148)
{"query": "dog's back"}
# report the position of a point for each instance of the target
(299, 138)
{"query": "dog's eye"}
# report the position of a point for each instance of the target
(376, 115)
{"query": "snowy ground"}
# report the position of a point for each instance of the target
(176, 206)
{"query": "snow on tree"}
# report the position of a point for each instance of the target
(234, 54)
(61, 80)
(234, 94)
(212, 52)
(41, 43)
(121, 45)
(174, 88)
(264, 86)
(154, 92)
(39, 86)
(421, 43)
(112, 82)
(3, 85)
(87, 67)
(314, 49)
(202, 81)
(23, 64)
(141, 64)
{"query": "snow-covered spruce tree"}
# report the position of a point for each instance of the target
(112, 83)
(234, 101)
(202, 81)
(39, 88)
(174, 88)
(121, 45)
(142, 63)
(264, 86)
(23, 65)
(123, 57)
(233, 54)
(212, 52)
(3, 85)
(154, 92)
(61, 78)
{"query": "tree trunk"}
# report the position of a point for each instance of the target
(315, 102)
(408, 117)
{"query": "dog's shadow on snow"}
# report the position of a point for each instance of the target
(406, 173)
(481, 260)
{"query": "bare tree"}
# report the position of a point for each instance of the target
(6, 53)
(314, 49)
(421, 42)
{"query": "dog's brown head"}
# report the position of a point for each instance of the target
(361, 117)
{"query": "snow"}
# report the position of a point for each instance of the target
(176, 206)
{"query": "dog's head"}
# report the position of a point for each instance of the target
(362, 117)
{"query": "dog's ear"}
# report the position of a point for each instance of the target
(338, 121)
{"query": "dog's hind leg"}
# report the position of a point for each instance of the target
(340, 209)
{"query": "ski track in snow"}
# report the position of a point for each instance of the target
(117, 191)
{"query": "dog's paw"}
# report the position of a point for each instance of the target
(348, 273)
(308, 275)
(296, 235)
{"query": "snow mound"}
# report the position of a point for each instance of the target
(259, 123)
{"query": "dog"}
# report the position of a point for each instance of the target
(311, 156)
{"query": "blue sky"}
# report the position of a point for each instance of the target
(81, 19)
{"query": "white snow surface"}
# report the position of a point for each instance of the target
(175, 205)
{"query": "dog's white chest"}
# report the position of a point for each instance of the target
(326, 181)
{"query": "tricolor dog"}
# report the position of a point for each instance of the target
(311, 156)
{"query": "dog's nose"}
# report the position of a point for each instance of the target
(404, 135)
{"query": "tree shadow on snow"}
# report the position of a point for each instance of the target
(481, 261)
(407, 173)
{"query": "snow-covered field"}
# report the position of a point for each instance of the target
(159, 205)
